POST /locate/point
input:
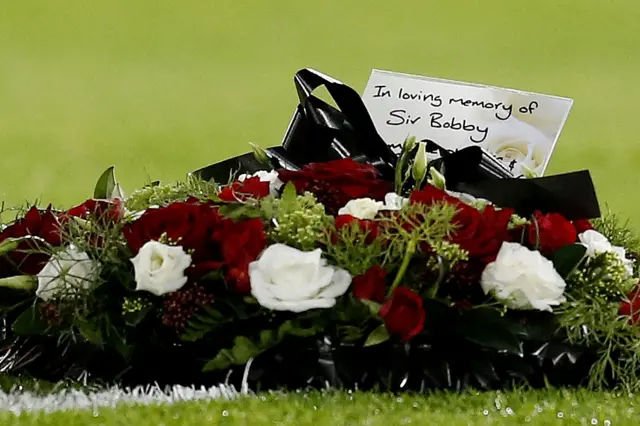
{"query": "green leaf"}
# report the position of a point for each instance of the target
(243, 349)
(293, 328)
(486, 327)
(91, 332)
(30, 322)
(289, 198)
(223, 360)
(240, 211)
(106, 184)
(20, 282)
(377, 336)
(267, 339)
(201, 324)
(374, 307)
(567, 258)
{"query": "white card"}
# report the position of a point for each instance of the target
(517, 127)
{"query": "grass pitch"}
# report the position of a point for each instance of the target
(159, 88)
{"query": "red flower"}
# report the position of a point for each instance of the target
(481, 233)
(553, 232)
(582, 225)
(371, 285)
(369, 226)
(106, 211)
(403, 314)
(36, 223)
(240, 243)
(190, 225)
(337, 182)
(241, 191)
(631, 306)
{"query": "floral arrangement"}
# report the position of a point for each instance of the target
(327, 274)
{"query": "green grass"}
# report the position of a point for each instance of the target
(536, 408)
(161, 87)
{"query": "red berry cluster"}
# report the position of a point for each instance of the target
(463, 285)
(180, 305)
(50, 313)
(327, 195)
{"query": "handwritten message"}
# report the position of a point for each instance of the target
(517, 127)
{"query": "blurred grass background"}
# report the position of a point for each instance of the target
(159, 88)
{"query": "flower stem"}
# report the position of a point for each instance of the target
(408, 255)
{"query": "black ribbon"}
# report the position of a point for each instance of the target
(473, 171)
(318, 132)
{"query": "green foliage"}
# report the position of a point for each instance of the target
(419, 223)
(299, 220)
(245, 348)
(591, 319)
(618, 232)
(351, 248)
(107, 187)
(156, 194)
(377, 336)
(604, 276)
(203, 322)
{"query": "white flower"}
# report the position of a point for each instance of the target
(523, 279)
(66, 272)
(159, 268)
(393, 201)
(362, 208)
(287, 279)
(596, 244)
(272, 177)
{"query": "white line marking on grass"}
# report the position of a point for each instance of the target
(18, 401)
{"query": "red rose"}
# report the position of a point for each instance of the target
(371, 285)
(241, 191)
(403, 313)
(481, 233)
(337, 182)
(553, 232)
(582, 225)
(240, 243)
(36, 223)
(631, 306)
(369, 226)
(106, 211)
(190, 225)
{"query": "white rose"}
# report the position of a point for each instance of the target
(66, 272)
(159, 268)
(272, 177)
(362, 208)
(393, 201)
(596, 243)
(523, 279)
(287, 279)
